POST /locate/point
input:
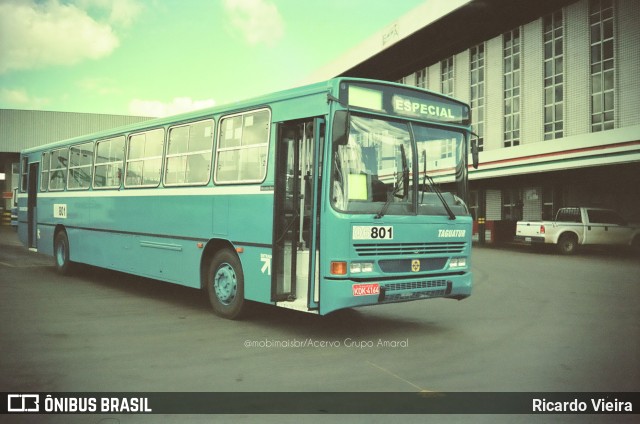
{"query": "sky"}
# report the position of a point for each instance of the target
(162, 57)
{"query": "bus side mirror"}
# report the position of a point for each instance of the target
(340, 128)
(475, 157)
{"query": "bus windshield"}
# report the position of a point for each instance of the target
(383, 163)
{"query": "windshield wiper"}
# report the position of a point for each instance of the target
(400, 184)
(435, 188)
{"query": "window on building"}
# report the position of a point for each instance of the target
(446, 74)
(80, 166)
(547, 203)
(421, 78)
(477, 92)
(601, 16)
(189, 154)
(109, 163)
(512, 205)
(553, 75)
(144, 159)
(511, 52)
(243, 142)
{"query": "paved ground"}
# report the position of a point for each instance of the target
(536, 322)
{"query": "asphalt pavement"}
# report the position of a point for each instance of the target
(536, 322)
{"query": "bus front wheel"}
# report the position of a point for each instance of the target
(225, 285)
(61, 253)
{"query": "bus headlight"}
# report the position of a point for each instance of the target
(458, 263)
(360, 267)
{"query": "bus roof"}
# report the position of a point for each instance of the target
(329, 86)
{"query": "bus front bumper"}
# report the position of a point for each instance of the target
(346, 293)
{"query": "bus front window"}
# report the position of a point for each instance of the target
(441, 155)
(371, 168)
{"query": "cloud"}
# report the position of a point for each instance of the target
(101, 86)
(258, 21)
(20, 99)
(117, 12)
(35, 34)
(123, 12)
(159, 109)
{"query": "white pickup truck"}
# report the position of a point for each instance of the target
(575, 227)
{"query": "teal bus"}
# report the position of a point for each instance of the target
(340, 194)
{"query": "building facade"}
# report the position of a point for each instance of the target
(555, 92)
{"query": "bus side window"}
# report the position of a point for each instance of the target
(58, 169)
(189, 149)
(24, 174)
(80, 166)
(44, 172)
(144, 159)
(243, 140)
(109, 163)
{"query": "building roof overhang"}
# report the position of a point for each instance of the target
(456, 30)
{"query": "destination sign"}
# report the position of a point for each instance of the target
(428, 110)
(401, 101)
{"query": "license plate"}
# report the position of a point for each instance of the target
(527, 239)
(366, 289)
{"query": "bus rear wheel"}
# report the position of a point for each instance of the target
(225, 285)
(61, 253)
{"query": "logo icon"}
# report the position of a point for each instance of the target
(23, 403)
(415, 265)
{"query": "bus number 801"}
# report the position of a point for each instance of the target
(362, 232)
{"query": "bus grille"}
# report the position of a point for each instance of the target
(408, 249)
(435, 288)
(412, 285)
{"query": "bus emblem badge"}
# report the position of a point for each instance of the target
(415, 265)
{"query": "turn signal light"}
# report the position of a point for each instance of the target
(542, 230)
(339, 268)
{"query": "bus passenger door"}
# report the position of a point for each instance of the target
(295, 237)
(32, 203)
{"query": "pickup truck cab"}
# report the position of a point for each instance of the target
(575, 227)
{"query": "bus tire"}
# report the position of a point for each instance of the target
(61, 253)
(225, 284)
(567, 244)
